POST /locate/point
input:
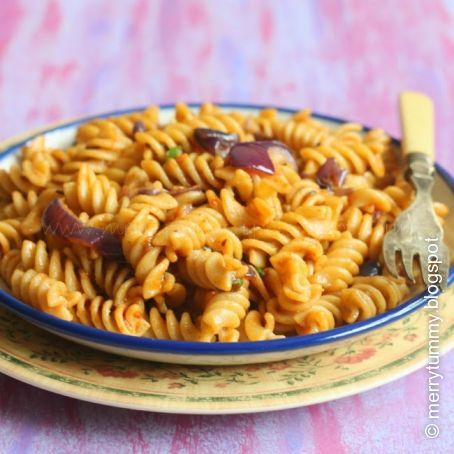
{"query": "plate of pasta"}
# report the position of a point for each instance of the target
(209, 235)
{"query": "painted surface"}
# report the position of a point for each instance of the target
(349, 58)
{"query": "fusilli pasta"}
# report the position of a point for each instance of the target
(215, 226)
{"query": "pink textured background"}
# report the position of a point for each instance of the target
(60, 59)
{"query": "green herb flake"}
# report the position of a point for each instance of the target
(173, 152)
(260, 271)
(237, 283)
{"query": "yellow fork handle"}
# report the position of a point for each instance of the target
(417, 123)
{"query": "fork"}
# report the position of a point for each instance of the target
(416, 231)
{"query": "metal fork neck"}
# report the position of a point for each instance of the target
(420, 165)
(421, 168)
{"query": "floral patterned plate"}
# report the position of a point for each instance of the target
(47, 361)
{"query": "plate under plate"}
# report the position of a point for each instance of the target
(49, 362)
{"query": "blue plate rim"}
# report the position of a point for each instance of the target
(140, 344)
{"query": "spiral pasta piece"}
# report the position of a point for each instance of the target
(173, 299)
(289, 281)
(441, 211)
(169, 327)
(44, 293)
(35, 256)
(211, 117)
(260, 328)
(222, 316)
(129, 319)
(115, 280)
(21, 204)
(285, 320)
(265, 125)
(335, 270)
(149, 267)
(188, 233)
(323, 315)
(91, 193)
(146, 120)
(10, 235)
(378, 141)
(159, 141)
(258, 212)
(301, 131)
(348, 133)
(14, 180)
(401, 193)
(187, 169)
(212, 270)
(315, 222)
(226, 242)
(37, 163)
(8, 263)
(366, 180)
(249, 186)
(98, 160)
(157, 205)
(135, 178)
(304, 192)
(102, 133)
(369, 296)
(355, 157)
(314, 319)
(31, 222)
(367, 228)
(372, 200)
